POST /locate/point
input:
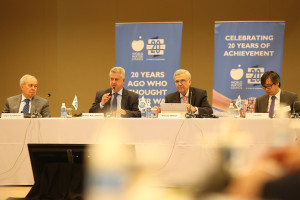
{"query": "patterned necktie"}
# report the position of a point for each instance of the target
(272, 106)
(184, 99)
(26, 107)
(114, 103)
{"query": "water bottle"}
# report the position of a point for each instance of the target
(148, 111)
(63, 111)
(231, 110)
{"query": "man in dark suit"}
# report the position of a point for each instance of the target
(117, 99)
(28, 101)
(199, 104)
(276, 99)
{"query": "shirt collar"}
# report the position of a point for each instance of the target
(23, 98)
(120, 92)
(187, 94)
(277, 95)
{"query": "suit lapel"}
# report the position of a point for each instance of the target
(34, 102)
(176, 98)
(17, 105)
(124, 98)
(282, 97)
(266, 103)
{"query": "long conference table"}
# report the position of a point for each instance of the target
(179, 151)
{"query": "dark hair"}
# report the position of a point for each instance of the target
(275, 78)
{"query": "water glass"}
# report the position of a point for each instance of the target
(69, 112)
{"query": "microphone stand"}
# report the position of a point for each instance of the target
(293, 113)
(37, 114)
(110, 114)
(190, 114)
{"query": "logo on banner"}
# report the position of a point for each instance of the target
(138, 46)
(236, 75)
(156, 47)
(254, 74)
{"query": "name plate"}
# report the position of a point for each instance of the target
(12, 115)
(93, 115)
(169, 116)
(257, 116)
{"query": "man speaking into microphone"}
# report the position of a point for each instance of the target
(28, 102)
(194, 98)
(117, 99)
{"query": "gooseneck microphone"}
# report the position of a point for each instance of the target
(110, 99)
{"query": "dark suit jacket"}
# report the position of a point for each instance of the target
(286, 187)
(130, 103)
(199, 100)
(38, 105)
(261, 104)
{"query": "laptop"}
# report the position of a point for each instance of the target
(174, 108)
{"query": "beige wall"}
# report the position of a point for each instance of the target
(69, 44)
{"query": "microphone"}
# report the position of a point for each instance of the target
(36, 114)
(48, 96)
(110, 114)
(112, 90)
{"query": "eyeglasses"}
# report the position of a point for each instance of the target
(267, 86)
(180, 81)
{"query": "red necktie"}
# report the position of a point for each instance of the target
(184, 99)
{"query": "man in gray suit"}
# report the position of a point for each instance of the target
(28, 101)
(276, 100)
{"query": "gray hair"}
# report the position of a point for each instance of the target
(119, 70)
(24, 79)
(183, 71)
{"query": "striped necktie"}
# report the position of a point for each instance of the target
(114, 103)
(26, 107)
(272, 106)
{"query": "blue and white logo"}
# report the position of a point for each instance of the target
(138, 45)
(254, 74)
(156, 47)
(237, 74)
(142, 104)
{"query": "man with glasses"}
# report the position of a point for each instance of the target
(28, 101)
(275, 99)
(188, 95)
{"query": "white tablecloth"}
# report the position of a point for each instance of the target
(177, 148)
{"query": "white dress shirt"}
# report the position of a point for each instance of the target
(277, 102)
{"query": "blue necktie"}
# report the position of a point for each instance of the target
(26, 107)
(272, 106)
(114, 103)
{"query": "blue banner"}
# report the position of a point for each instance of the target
(150, 54)
(243, 52)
